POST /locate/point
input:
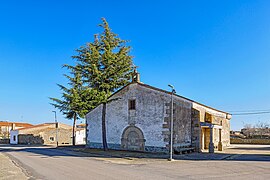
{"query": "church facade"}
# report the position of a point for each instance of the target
(139, 118)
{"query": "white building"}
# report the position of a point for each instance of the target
(139, 119)
(81, 134)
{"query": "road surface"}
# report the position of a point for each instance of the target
(50, 163)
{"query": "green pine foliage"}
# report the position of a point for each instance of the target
(106, 66)
(103, 66)
(77, 99)
(105, 63)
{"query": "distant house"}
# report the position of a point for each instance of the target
(46, 134)
(139, 119)
(236, 134)
(6, 127)
(253, 132)
(80, 134)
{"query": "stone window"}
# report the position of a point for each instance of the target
(208, 118)
(51, 138)
(14, 138)
(132, 104)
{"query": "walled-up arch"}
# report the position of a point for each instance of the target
(133, 139)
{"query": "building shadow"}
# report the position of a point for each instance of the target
(81, 151)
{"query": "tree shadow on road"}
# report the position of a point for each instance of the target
(81, 151)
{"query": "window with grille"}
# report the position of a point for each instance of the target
(132, 104)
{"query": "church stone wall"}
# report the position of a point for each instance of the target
(151, 117)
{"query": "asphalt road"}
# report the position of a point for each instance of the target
(51, 163)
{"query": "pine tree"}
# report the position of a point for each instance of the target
(105, 66)
(76, 100)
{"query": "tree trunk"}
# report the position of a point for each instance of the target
(104, 138)
(74, 130)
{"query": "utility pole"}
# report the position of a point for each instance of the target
(171, 141)
(56, 127)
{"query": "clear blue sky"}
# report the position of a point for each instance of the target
(214, 52)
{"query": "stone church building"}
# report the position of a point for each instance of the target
(139, 119)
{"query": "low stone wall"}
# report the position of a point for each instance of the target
(4, 141)
(30, 139)
(46, 136)
(118, 147)
(250, 141)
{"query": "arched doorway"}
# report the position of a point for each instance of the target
(133, 139)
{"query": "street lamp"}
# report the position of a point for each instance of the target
(171, 141)
(56, 127)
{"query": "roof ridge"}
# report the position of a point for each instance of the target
(162, 90)
(155, 88)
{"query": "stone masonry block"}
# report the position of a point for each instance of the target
(166, 126)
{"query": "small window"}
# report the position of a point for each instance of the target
(208, 118)
(51, 138)
(132, 104)
(14, 138)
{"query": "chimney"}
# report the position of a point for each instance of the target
(136, 76)
(13, 126)
(138, 79)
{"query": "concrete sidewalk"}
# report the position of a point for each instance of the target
(9, 170)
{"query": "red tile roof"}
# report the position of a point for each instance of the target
(17, 124)
(35, 126)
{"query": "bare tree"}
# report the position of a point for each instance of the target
(259, 130)
(247, 130)
(262, 128)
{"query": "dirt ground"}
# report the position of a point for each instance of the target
(248, 149)
(9, 170)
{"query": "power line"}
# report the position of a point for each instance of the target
(251, 113)
(263, 110)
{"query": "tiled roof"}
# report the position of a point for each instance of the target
(167, 92)
(64, 126)
(164, 91)
(35, 126)
(81, 125)
(17, 124)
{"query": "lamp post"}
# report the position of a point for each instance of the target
(171, 141)
(56, 127)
